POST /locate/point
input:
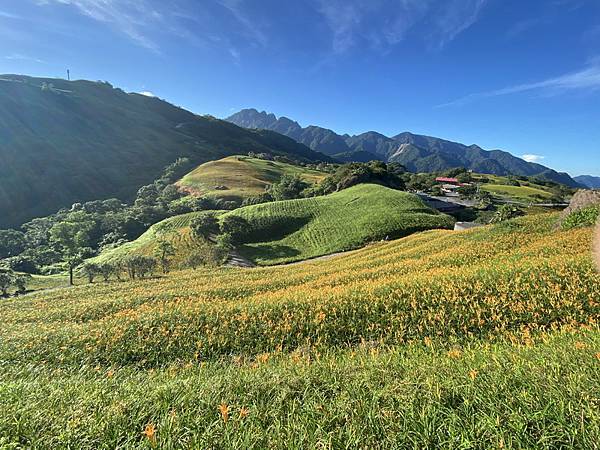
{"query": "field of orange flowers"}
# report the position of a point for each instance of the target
(513, 291)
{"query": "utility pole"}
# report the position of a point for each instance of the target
(68, 75)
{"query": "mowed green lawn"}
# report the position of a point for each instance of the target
(295, 230)
(240, 177)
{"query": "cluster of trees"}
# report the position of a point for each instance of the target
(9, 279)
(135, 266)
(61, 241)
(291, 187)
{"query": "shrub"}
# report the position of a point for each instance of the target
(90, 270)
(585, 217)
(506, 212)
(204, 226)
(234, 226)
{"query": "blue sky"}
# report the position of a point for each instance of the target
(520, 75)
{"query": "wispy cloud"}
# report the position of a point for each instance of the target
(19, 57)
(147, 94)
(134, 18)
(533, 158)
(238, 9)
(384, 23)
(8, 15)
(586, 79)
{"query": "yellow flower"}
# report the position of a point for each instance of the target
(580, 345)
(150, 433)
(454, 353)
(224, 410)
(244, 412)
(473, 374)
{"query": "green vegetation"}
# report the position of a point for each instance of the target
(237, 178)
(294, 230)
(75, 141)
(479, 339)
(584, 217)
(175, 231)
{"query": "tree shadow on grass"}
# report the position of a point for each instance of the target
(268, 252)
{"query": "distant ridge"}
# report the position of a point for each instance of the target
(66, 142)
(588, 181)
(417, 152)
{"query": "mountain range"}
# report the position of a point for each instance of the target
(72, 141)
(588, 181)
(417, 153)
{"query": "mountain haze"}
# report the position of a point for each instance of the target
(417, 152)
(65, 142)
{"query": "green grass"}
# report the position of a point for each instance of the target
(539, 397)
(87, 141)
(175, 230)
(295, 230)
(521, 193)
(486, 338)
(242, 177)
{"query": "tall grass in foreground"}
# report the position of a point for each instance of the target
(482, 339)
(542, 396)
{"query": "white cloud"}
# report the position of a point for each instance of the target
(585, 79)
(533, 158)
(8, 15)
(147, 94)
(19, 57)
(134, 18)
(384, 23)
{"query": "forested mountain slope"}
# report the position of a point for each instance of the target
(64, 142)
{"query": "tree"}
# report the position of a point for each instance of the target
(20, 281)
(164, 250)
(506, 212)
(12, 243)
(235, 227)
(6, 279)
(204, 226)
(288, 187)
(90, 270)
(139, 266)
(71, 237)
(106, 270)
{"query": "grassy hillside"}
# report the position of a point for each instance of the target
(175, 230)
(65, 142)
(240, 177)
(480, 339)
(294, 230)
(527, 192)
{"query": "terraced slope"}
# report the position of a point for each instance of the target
(239, 177)
(483, 338)
(294, 230)
(175, 230)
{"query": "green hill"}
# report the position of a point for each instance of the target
(65, 142)
(486, 338)
(175, 230)
(294, 230)
(239, 177)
